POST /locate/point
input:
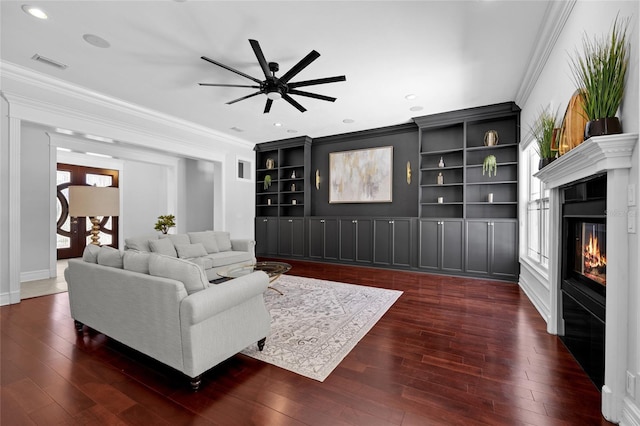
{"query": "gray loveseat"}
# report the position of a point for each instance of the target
(165, 307)
(211, 250)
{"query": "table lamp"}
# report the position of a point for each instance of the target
(94, 201)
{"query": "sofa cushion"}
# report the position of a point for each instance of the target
(224, 240)
(190, 274)
(186, 251)
(140, 243)
(163, 246)
(207, 238)
(228, 257)
(177, 238)
(136, 261)
(109, 256)
(90, 253)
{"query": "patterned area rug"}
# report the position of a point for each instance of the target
(316, 323)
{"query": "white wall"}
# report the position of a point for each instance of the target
(34, 203)
(199, 195)
(4, 196)
(144, 190)
(554, 87)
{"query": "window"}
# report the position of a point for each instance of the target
(537, 224)
(243, 169)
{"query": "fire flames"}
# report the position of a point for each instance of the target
(594, 262)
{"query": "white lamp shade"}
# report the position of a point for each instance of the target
(93, 201)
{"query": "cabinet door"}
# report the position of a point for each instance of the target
(316, 238)
(505, 248)
(286, 232)
(297, 237)
(364, 246)
(382, 235)
(452, 237)
(266, 236)
(478, 247)
(347, 237)
(401, 250)
(430, 244)
(331, 239)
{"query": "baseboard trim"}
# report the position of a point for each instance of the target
(34, 275)
(8, 298)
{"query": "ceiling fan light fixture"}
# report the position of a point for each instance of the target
(274, 95)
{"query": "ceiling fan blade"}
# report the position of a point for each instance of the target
(231, 69)
(261, 60)
(243, 98)
(312, 95)
(228, 85)
(317, 81)
(267, 106)
(304, 62)
(293, 102)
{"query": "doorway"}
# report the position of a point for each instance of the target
(73, 234)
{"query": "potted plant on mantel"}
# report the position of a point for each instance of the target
(599, 75)
(542, 131)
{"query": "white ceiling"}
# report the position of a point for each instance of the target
(450, 54)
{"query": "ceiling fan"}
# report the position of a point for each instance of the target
(277, 87)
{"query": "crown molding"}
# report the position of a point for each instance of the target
(41, 81)
(553, 22)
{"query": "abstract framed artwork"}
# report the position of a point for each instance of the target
(361, 176)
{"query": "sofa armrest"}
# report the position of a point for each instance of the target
(243, 245)
(219, 297)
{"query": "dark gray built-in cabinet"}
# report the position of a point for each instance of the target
(456, 220)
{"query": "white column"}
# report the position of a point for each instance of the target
(617, 326)
(14, 210)
(555, 324)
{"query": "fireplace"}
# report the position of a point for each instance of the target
(584, 273)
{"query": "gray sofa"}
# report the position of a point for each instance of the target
(165, 307)
(211, 250)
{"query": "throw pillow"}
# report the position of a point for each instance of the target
(136, 261)
(163, 246)
(109, 256)
(187, 251)
(224, 241)
(140, 243)
(177, 238)
(190, 274)
(90, 253)
(207, 238)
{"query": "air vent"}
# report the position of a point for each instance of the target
(48, 61)
(236, 129)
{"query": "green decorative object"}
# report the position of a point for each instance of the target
(489, 165)
(542, 132)
(164, 223)
(599, 74)
(267, 182)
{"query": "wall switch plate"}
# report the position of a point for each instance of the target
(631, 221)
(631, 385)
(631, 194)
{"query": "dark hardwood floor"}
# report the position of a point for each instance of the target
(451, 351)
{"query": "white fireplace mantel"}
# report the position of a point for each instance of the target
(612, 155)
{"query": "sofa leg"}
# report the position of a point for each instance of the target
(78, 325)
(195, 383)
(261, 343)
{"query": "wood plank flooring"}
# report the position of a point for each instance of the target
(451, 351)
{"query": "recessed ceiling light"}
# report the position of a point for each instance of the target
(36, 12)
(63, 149)
(277, 124)
(96, 41)
(410, 97)
(99, 138)
(416, 108)
(95, 154)
(348, 121)
(64, 131)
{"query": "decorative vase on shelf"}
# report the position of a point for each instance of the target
(270, 163)
(293, 174)
(441, 163)
(440, 179)
(491, 138)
